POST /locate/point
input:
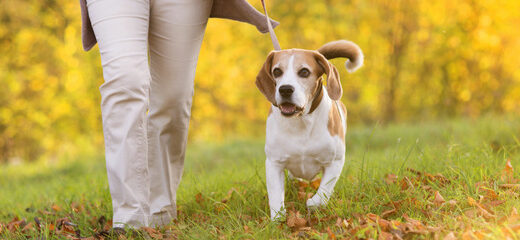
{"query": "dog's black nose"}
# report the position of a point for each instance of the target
(286, 90)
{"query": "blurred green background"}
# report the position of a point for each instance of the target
(423, 60)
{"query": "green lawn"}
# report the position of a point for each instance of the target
(223, 196)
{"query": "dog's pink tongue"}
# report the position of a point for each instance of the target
(288, 108)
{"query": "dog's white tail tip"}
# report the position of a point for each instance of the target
(352, 66)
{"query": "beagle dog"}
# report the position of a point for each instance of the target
(306, 126)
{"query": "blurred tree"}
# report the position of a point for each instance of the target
(423, 59)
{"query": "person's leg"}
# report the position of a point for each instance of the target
(121, 29)
(176, 32)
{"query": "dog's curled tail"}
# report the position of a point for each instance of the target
(346, 49)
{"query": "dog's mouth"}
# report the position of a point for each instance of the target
(289, 109)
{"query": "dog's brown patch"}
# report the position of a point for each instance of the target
(335, 125)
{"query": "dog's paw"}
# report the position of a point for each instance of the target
(316, 202)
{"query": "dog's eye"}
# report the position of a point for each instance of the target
(304, 72)
(277, 72)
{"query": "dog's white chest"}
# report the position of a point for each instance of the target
(302, 146)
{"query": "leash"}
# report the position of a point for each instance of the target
(276, 44)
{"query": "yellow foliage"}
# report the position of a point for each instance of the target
(424, 59)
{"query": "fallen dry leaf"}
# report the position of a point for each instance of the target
(507, 172)
(450, 236)
(154, 234)
(304, 196)
(388, 213)
(302, 184)
(294, 220)
(385, 236)
(406, 183)
(438, 200)
(198, 198)
(229, 195)
(509, 186)
(315, 184)
(56, 208)
(490, 194)
(382, 223)
(485, 212)
(331, 234)
(15, 224)
(467, 235)
(513, 216)
(28, 227)
(390, 178)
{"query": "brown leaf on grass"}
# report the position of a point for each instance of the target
(51, 227)
(315, 184)
(45, 212)
(219, 207)
(56, 208)
(390, 178)
(331, 234)
(65, 227)
(198, 198)
(496, 203)
(471, 213)
(507, 173)
(406, 183)
(476, 235)
(513, 216)
(302, 184)
(441, 179)
(509, 186)
(388, 213)
(438, 199)
(229, 195)
(385, 236)
(450, 236)
(154, 234)
(485, 212)
(481, 186)
(416, 172)
(304, 196)
(452, 202)
(382, 223)
(15, 224)
(91, 238)
(294, 220)
(28, 227)
(199, 217)
(38, 224)
(246, 228)
(342, 223)
(415, 226)
(490, 194)
(76, 207)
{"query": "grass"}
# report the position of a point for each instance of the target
(467, 152)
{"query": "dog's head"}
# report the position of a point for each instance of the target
(291, 79)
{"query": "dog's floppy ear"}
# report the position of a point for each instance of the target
(333, 86)
(265, 81)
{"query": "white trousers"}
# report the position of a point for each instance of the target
(149, 51)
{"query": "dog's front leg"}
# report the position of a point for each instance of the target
(275, 188)
(331, 175)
